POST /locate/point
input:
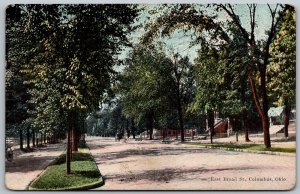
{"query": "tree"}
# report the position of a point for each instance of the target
(208, 85)
(191, 17)
(70, 57)
(259, 55)
(140, 85)
(154, 85)
(282, 68)
(14, 95)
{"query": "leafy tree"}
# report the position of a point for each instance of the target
(155, 85)
(208, 84)
(282, 68)
(71, 50)
(259, 53)
(140, 85)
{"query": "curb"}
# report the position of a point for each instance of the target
(103, 182)
(247, 151)
(83, 187)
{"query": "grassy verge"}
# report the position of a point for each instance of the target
(253, 147)
(85, 174)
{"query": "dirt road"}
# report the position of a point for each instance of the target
(144, 165)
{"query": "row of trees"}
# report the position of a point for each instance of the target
(60, 62)
(231, 74)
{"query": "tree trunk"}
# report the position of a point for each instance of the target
(179, 108)
(211, 122)
(28, 137)
(264, 96)
(133, 128)
(69, 142)
(21, 139)
(245, 124)
(44, 137)
(263, 116)
(127, 128)
(33, 137)
(150, 123)
(245, 114)
(68, 155)
(74, 139)
(287, 111)
(74, 132)
(147, 132)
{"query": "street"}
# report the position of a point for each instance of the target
(151, 165)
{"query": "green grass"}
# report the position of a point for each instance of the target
(254, 147)
(84, 172)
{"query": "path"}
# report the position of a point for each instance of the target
(151, 165)
(27, 166)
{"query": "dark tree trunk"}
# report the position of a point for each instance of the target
(74, 132)
(33, 137)
(263, 116)
(245, 124)
(181, 124)
(74, 139)
(69, 141)
(287, 111)
(127, 128)
(28, 137)
(245, 114)
(211, 122)
(150, 123)
(133, 128)
(44, 137)
(264, 97)
(147, 132)
(21, 139)
(68, 155)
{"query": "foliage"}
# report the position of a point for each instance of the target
(211, 30)
(156, 85)
(282, 69)
(66, 54)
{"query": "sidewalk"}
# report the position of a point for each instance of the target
(27, 166)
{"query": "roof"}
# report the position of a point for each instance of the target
(275, 111)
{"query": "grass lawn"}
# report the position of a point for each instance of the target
(254, 147)
(84, 173)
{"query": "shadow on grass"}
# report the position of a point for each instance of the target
(86, 173)
(253, 147)
(83, 172)
(75, 157)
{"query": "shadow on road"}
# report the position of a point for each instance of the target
(32, 161)
(172, 173)
(111, 156)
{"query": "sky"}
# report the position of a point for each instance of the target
(180, 41)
